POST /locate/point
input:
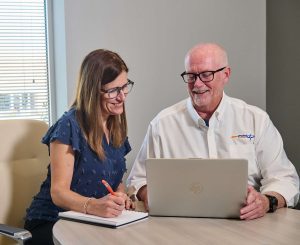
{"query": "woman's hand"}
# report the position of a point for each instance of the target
(107, 206)
(129, 204)
(110, 205)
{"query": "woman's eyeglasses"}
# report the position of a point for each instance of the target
(114, 92)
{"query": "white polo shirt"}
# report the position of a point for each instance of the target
(236, 130)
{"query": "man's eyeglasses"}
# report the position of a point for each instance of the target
(114, 92)
(206, 76)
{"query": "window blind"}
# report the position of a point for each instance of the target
(24, 86)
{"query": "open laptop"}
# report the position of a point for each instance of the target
(196, 187)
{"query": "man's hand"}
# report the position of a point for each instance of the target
(142, 196)
(257, 205)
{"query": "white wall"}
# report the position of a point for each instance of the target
(153, 37)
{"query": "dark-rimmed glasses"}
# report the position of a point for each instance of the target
(114, 92)
(206, 76)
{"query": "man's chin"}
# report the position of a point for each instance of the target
(200, 101)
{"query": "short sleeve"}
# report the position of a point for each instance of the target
(66, 130)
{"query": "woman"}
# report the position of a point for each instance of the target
(87, 144)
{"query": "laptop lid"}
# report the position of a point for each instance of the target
(196, 187)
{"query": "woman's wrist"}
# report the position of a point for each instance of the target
(86, 204)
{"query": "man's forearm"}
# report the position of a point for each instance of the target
(280, 198)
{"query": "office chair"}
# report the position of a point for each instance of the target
(23, 166)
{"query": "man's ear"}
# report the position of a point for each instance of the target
(227, 73)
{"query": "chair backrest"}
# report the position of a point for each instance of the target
(23, 166)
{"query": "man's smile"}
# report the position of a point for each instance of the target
(200, 91)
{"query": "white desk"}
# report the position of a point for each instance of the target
(281, 227)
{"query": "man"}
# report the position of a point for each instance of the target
(210, 124)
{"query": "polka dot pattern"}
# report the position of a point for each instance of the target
(88, 172)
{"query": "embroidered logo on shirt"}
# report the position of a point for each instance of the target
(244, 136)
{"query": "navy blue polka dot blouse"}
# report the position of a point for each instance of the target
(88, 172)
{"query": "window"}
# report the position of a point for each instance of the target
(24, 85)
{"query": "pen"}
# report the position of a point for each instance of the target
(108, 187)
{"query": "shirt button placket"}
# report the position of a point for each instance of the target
(212, 148)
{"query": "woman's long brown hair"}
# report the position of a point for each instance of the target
(98, 68)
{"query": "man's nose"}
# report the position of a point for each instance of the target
(198, 82)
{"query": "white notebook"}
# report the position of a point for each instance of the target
(127, 217)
